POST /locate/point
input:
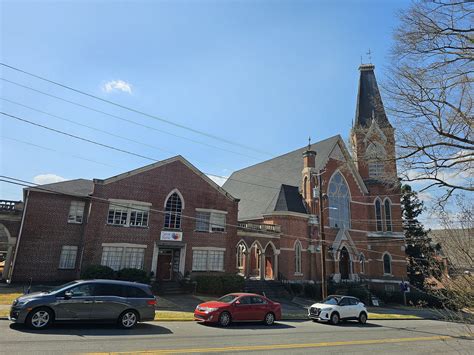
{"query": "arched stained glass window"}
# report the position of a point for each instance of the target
(173, 212)
(339, 202)
(378, 215)
(388, 215)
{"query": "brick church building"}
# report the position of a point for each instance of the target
(266, 222)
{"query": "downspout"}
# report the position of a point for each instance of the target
(9, 278)
(83, 238)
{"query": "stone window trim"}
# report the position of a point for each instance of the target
(210, 221)
(128, 213)
(76, 212)
(68, 257)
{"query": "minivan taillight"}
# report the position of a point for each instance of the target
(151, 302)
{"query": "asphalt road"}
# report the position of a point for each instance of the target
(387, 337)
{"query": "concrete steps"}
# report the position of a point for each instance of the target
(271, 289)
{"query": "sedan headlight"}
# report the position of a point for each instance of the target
(21, 302)
(206, 309)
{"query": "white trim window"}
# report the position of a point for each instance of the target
(208, 260)
(128, 215)
(67, 259)
(210, 221)
(119, 258)
(298, 258)
(76, 212)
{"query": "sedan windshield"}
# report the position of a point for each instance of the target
(331, 300)
(227, 298)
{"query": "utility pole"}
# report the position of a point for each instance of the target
(323, 239)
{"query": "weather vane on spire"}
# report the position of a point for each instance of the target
(369, 54)
(309, 143)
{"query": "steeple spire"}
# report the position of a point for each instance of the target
(369, 102)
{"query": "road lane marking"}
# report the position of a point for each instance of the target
(277, 346)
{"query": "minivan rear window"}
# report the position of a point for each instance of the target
(135, 292)
(109, 290)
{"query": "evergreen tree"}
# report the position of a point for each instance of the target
(418, 244)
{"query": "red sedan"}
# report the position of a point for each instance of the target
(238, 307)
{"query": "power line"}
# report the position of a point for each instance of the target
(103, 200)
(126, 119)
(135, 110)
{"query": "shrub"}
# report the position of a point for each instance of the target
(219, 284)
(361, 293)
(312, 291)
(98, 272)
(134, 275)
(296, 288)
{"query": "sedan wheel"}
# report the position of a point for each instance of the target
(128, 320)
(224, 319)
(40, 318)
(269, 319)
(362, 318)
(334, 318)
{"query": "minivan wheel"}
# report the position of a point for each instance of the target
(128, 319)
(39, 318)
(362, 318)
(269, 319)
(334, 318)
(224, 319)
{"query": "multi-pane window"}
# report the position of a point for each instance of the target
(210, 221)
(126, 214)
(123, 257)
(339, 202)
(387, 264)
(67, 260)
(388, 215)
(76, 212)
(68, 256)
(173, 212)
(378, 215)
(298, 258)
(208, 260)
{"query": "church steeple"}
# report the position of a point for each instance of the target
(372, 136)
(369, 102)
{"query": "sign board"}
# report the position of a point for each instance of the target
(170, 235)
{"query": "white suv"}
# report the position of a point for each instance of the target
(336, 308)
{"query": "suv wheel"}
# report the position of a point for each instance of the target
(362, 318)
(128, 319)
(40, 318)
(224, 319)
(269, 319)
(334, 318)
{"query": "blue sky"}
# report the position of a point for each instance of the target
(265, 74)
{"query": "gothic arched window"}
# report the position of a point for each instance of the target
(388, 215)
(173, 211)
(339, 202)
(375, 155)
(387, 264)
(378, 215)
(298, 257)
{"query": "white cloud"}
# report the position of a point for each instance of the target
(219, 180)
(116, 85)
(47, 179)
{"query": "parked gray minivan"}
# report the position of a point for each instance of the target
(126, 303)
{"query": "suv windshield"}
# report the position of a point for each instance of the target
(331, 300)
(59, 288)
(227, 298)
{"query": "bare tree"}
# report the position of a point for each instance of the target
(430, 94)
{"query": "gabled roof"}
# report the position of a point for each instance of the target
(369, 101)
(76, 187)
(162, 163)
(259, 186)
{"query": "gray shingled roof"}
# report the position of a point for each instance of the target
(77, 187)
(369, 100)
(258, 187)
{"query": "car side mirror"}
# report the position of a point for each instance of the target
(67, 295)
